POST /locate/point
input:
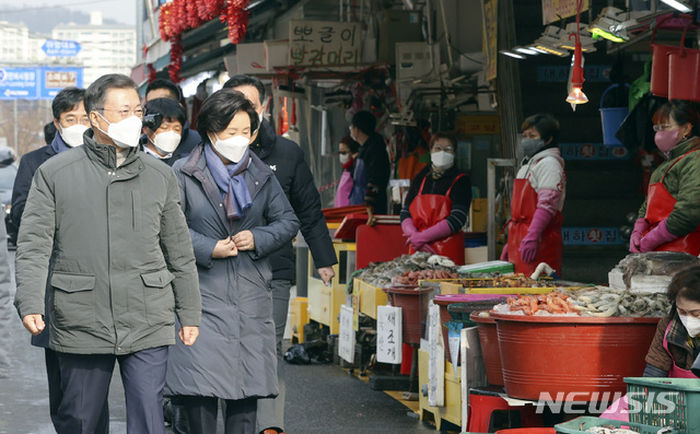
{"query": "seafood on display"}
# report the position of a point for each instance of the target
(610, 429)
(593, 302)
(508, 281)
(654, 264)
(412, 277)
(381, 274)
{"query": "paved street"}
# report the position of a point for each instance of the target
(320, 399)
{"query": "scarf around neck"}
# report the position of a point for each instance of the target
(229, 179)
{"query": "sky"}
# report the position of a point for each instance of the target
(123, 11)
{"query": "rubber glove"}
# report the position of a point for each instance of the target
(408, 227)
(640, 226)
(656, 237)
(529, 244)
(436, 232)
(504, 253)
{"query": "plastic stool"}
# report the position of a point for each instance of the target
(488, 412)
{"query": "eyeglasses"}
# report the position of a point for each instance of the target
(663, 127)
(125, 113)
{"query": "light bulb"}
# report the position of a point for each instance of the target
(577, 96)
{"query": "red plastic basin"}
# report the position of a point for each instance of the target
(488, 338)
(413, 301)
(571, 358)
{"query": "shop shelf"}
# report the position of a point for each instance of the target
(452, 411)
(683, 392)
(324, 301)
(369, 297)
(581, 424)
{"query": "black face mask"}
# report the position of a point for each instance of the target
(531, 146)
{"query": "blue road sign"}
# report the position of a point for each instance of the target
(37, 83)
(59, 48)
(19, 83)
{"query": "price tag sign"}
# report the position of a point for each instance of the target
(389, 334)
(346, 335)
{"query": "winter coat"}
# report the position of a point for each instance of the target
(121, 252)
(378, 169)
(286, 159)
(678, 344)
(23, 181)
(683, 182)
(235, 354)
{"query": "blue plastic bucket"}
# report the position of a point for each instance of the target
(611, 118)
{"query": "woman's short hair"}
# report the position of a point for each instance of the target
(682, 112)
(545, 124)
(351, 144)
(449, 136)
(686, 284)
(219, 109)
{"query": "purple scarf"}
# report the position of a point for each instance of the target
(230, 181)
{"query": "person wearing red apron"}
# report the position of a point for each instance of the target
(675, 350)
(534, 228)
(669, 220)
(436, 206)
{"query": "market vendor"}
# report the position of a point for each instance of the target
(346, 193)
(437, 203)
(669, 219)
(676, 346)
(534, 230)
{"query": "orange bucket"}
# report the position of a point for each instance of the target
(488, 338)
(684, 70)
(660, 60)
(571, 358)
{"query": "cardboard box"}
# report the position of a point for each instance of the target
(250, 58)
(276, 54)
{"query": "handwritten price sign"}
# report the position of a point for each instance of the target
(323, 43)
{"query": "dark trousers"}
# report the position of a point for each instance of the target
(239, 415)
(85, 382)
(53, 374)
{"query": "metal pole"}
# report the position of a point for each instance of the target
(491, 165)
(14, 106)
(447, 33)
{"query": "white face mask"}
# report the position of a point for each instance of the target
(125, 133)
(344, 158)
(692, 325)
(73, 135)
(442, 160)
(166, 142)
(232, 148)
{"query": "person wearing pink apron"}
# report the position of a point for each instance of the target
(675, 348)
(347, 152)
(436, 206)
(534, 228)
(669, 220)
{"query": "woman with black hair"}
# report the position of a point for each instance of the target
(163, 136)
(534, 230)
(237, 214)
(437, 203)
(669, 219)
(676, 346)
(348, 150)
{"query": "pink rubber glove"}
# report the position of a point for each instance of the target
(656, 237)
(408, 227)
(504, 253)
(640, 226)
(529, 244)
(436, 232)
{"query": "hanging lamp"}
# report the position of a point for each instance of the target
(576, 95)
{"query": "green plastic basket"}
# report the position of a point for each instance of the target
(684, 393)
(581, 424)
